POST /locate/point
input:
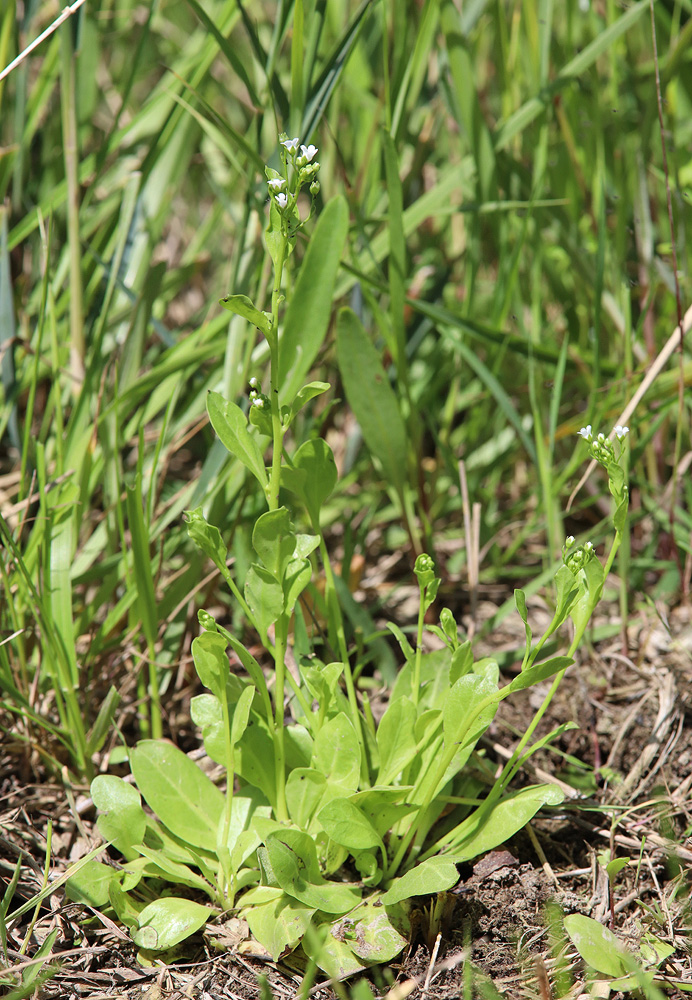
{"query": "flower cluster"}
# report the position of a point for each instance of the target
(257, 398)
(304, 169)
(601, 447)
(260, 408)
(576, 557)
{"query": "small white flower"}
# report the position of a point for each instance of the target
(291, 145)
(621, 432)
(601, 437)
(588, 547)
(281, 200)
(308, 152)
(254, 383)
(276, 184)
(259, 403)
(569, 541)
(585, 432)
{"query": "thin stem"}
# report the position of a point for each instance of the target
(277, 429)
(334, 610)
(415, 686)
(281, 637)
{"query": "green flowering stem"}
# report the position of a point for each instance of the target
(619, 491)
(281, 641)
(223, 851)
(334, 611)
(273, 339)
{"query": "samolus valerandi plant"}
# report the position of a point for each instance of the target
(329, 822)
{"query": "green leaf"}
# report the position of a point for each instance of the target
(168, 921)
(383, 807)
(205, 710)
(307, 315)
(207, 537)
(278, 925)
(254, 759)
(434, 679)
(539, 672)
(305, 545)
(372, 398)
(121, 817)
(305, 788)
(315, 460)
(211, 661)
(567, 593)
(298, 576)
(229, 422)
(461, 704)
(597, 945)
(373, 937)
(344, 822)
(433, 875)
(404, 644)
(462, 662)
(614, 867)
(102, 724)
(293, 858)
(590, 579)
(264, 596)
(487, 828)
(273, 541)
(336, 753)
(321, 681)
(396, 741)
(241, 305)
(176, 871)
(248, 805)
(180, 794)
(333, 956)
(241, 715)
(304, 395)
(91, 884)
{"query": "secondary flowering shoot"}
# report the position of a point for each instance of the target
(576, 557)
(613, 459)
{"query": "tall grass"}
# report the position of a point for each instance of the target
(509, 254)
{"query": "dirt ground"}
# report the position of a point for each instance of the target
(500, 929)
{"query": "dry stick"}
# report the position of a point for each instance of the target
(654, 371)
(431, 966)
(63, 16)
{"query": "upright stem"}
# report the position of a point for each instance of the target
(277, 429)
(281, 627)
(281, 635)
(334, 611)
